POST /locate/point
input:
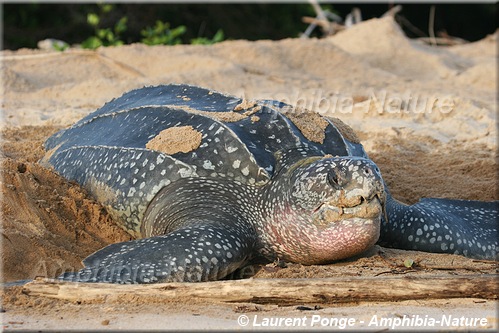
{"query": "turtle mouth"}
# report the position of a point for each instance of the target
(358, 209)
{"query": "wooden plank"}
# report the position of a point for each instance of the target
(281, 291)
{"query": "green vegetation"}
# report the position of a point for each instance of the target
(160, 34)
(104, 36)
(60, 45)
(218, 37)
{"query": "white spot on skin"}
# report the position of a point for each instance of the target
(185, 173)
(208, 165)
(236, 164)
(160, 159)
(220, 130)
(131, 192)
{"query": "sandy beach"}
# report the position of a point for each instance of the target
(426, 115)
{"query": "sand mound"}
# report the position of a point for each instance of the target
(383, 45)
(49, 224)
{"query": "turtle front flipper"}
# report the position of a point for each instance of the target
(465, 227)
(190, 254)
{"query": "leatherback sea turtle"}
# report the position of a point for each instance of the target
(207, 182)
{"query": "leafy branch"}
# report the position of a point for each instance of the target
(161, 34)
(104, 36)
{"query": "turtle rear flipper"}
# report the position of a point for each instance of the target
(462, 227)
(191, 254)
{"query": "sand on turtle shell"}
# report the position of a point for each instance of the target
(179, 139)
(310, 124)
(313, 125)
(245, 104)
(223, 116)
(185, 139)
(345, 130)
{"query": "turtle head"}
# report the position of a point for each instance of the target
(332, 209)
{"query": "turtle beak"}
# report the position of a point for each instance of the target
(361, 207)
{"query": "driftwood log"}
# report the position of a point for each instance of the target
(280, 291)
